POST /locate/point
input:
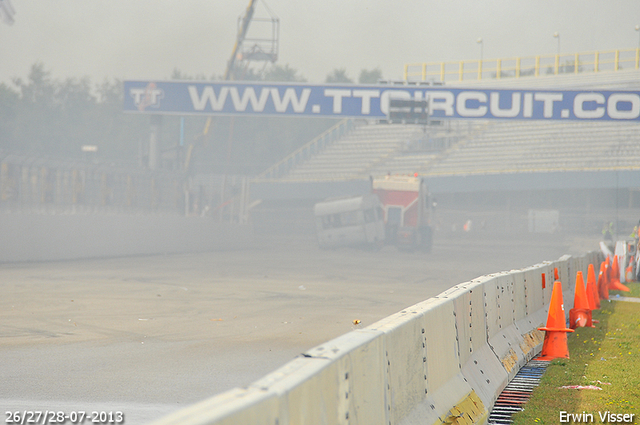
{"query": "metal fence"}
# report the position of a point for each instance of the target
(45, 185)
(568, 63)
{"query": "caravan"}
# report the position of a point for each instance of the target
(351, 221)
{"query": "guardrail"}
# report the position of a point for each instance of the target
(305, 152)
(443, 360)
(574, 63)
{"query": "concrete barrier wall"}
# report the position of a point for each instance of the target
(45, 237)
(445, 359)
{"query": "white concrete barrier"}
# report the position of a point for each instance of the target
(423, 369)
(442, 360)
(567, 277)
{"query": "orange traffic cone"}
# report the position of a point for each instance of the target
(555, 273)
(555, 336)
(580, 314)
(603, 285)
(614, 281)
(592, 290)
(628, 273)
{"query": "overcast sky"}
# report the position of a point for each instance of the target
(147, 39)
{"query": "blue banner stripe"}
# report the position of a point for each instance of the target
(372, 101)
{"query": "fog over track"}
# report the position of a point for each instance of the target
(148, 335)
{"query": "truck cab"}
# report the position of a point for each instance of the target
(407, 208)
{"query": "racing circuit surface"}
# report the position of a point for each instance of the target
(149, 335)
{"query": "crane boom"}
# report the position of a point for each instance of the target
(242, 32)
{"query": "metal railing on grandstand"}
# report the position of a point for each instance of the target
(305, 152)
(573, 63)
(46, 185)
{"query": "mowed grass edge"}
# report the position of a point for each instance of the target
(607, 356)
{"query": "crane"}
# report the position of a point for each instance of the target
(242, 33)
(7, 11)
(263, 49)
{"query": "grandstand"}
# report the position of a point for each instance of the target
(508, 147)
(372, 149)
(473, 147)
(356, 152)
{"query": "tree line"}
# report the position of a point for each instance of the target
(45, 117)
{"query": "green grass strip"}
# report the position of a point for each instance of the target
(607, 356)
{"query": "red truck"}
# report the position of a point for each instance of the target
(407, 209)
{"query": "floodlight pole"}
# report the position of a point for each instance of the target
(638, 49)
(481, 43)
(557, 35)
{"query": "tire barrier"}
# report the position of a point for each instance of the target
(444, 360)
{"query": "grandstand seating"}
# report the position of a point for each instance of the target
(357, 152)
(506, 147)
(485, 147)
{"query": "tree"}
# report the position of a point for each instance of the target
(44, 117)
(75, 107)
(116, 134)
(176, 74)
(38, 122)
(8, 112)
(370, 77)
(338, 76)
(283, 74)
